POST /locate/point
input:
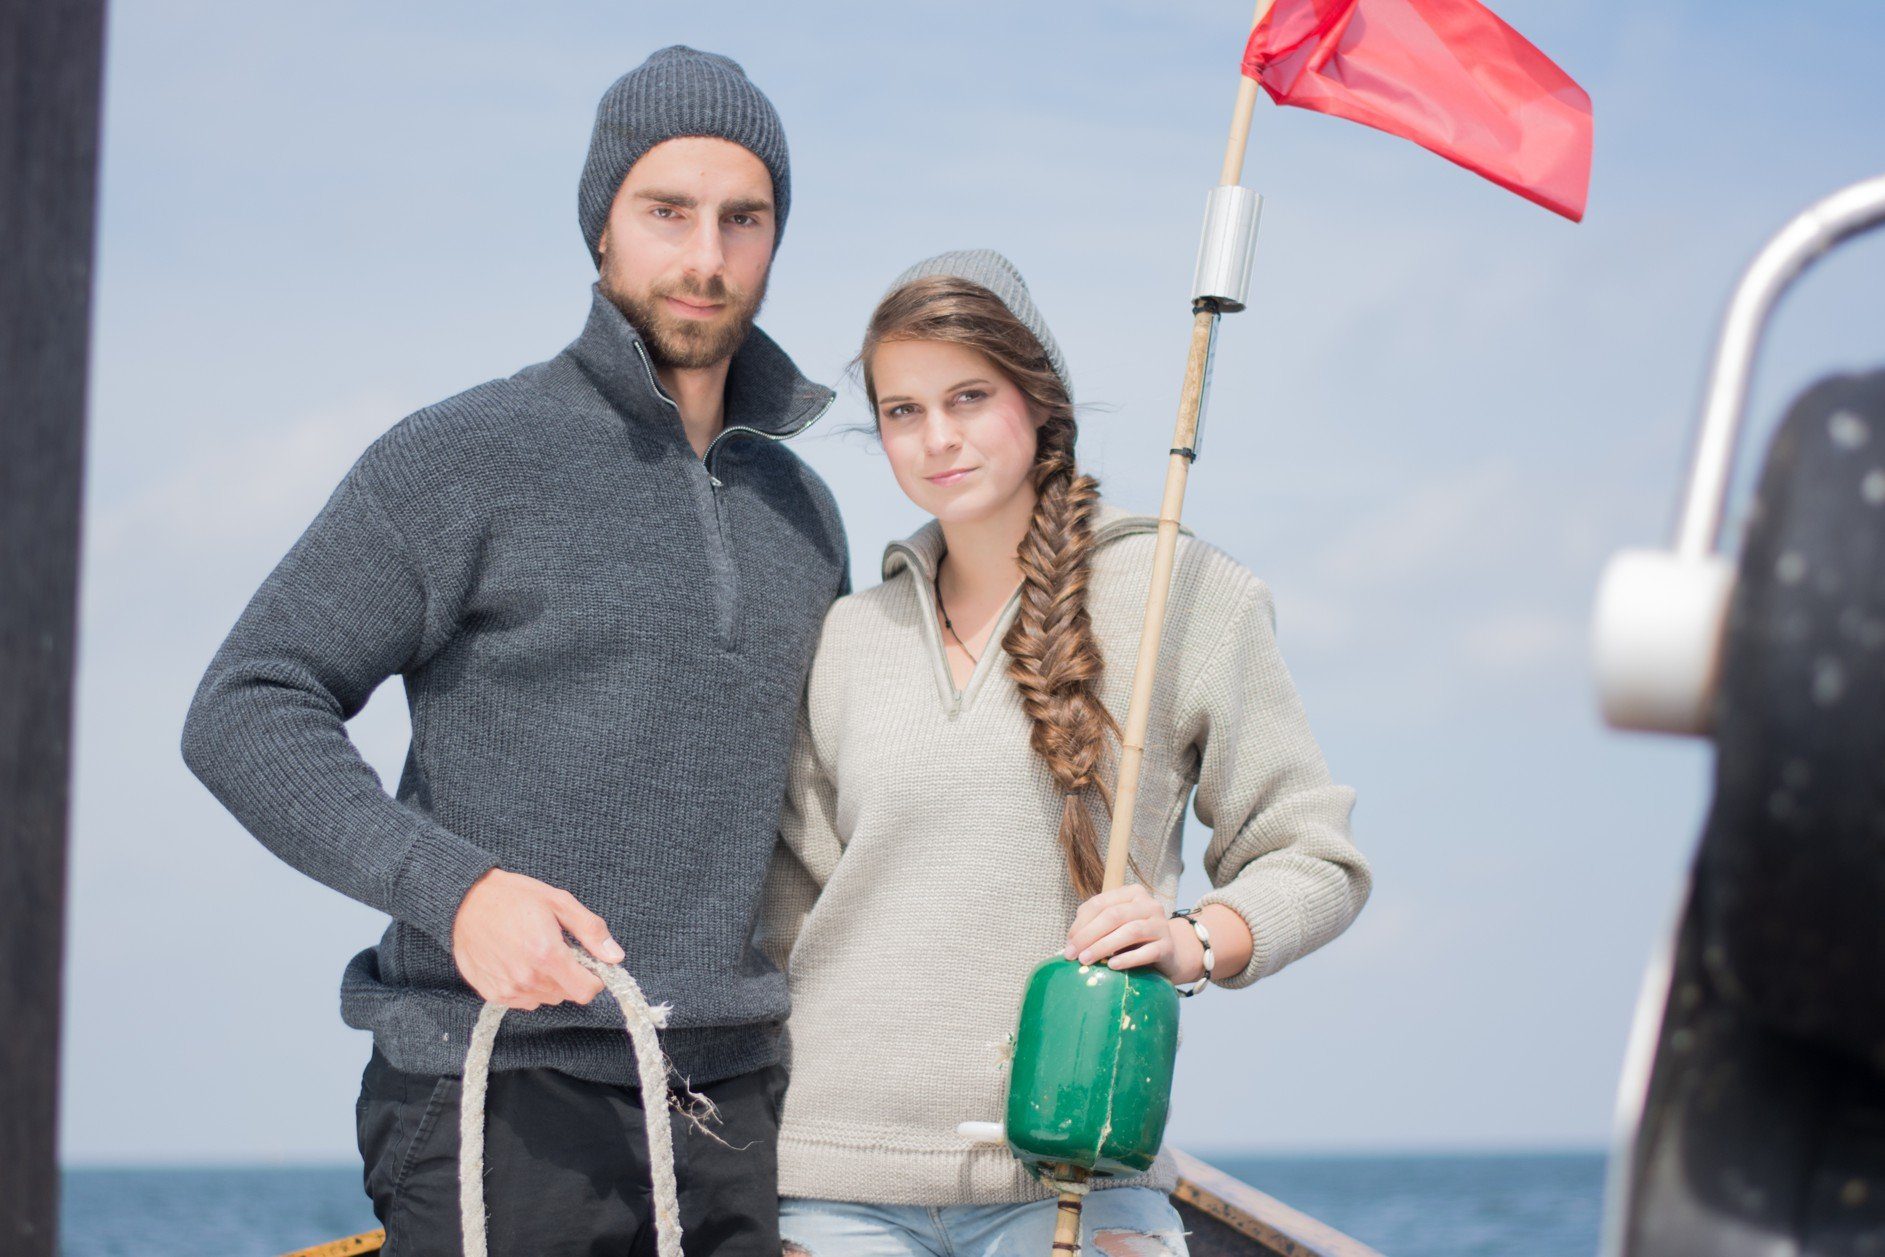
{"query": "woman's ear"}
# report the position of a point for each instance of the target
(1039, 415)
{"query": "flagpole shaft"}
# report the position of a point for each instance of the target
(1164, 555)
(1171, 510)
(1239, 141)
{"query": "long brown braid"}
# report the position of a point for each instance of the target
(1055, 658)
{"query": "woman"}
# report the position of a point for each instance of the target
(951, 782)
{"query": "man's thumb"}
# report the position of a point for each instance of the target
(593, 933)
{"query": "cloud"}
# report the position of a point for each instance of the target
(1475, 570)
(1438, 525)
(1520, 641)
(242, 494)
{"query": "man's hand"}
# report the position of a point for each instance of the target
(507, 941)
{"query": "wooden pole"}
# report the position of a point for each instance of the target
(50, 68)
(1239, 141)
(1171, 508)
(1067, 1222)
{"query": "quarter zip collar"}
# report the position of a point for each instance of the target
(766, 395)
(922, 550)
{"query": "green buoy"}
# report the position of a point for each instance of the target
(1091, 1080)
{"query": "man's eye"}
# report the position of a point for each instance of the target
(745, 220)
(662, 211)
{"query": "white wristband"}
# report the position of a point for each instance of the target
(1190, 917)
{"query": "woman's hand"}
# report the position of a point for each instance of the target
(1126, 928)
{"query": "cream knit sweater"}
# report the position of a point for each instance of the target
(919, 878)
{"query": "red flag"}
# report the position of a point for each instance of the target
(1446, 74)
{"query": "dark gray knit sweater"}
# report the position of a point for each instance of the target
(604, 641)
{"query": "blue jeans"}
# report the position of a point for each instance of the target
(1123, 1221)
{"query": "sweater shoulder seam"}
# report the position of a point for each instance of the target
(407, 552)
(1250, 598)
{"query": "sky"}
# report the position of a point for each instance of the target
(1442, 412)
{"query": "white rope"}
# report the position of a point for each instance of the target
(642, 1020)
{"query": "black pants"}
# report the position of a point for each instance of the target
(566, 1165)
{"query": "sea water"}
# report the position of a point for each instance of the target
(1521, 1205)
(1529, 1205)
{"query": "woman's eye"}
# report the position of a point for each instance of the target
(898, 411)
(970, 395)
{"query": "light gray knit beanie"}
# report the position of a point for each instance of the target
(997, 274)
(678, 91)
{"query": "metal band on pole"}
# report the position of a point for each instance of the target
(1205, 313)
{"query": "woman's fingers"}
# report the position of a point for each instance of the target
(1150, 954)
(1097, 925)
(1131, 934)
(1097, 919)
(1124, 895)
(1100, 903)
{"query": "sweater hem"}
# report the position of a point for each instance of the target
(699, 1056)
(816, 1169)
(429, 1032)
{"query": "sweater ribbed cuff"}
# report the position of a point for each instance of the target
(1272, 909)
(438, 869)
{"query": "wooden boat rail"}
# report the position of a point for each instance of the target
(1226, 1216)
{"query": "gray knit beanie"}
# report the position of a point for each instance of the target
(678, 91)
(997, 274)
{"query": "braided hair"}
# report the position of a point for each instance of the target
(1054, 656)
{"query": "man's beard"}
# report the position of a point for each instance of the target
(689, 343)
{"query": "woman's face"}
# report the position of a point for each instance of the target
(959, 435)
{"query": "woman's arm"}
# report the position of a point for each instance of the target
(1280, 855)
(1287, 878)
(807, 849)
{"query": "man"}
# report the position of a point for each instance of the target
(602, 587)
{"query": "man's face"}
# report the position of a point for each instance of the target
(687, 246)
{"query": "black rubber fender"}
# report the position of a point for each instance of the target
(1790, 880)
(1752, 1143)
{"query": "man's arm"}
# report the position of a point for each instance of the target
(266, 732)
(346, 608)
